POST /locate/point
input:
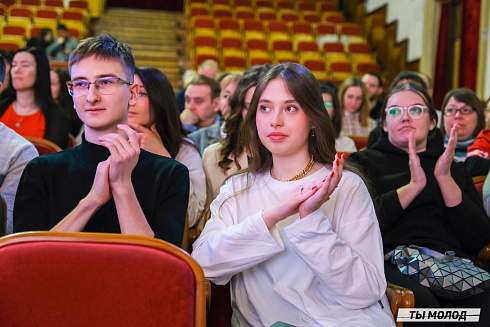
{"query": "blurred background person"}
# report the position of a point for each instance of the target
(59, 77)
(27, 105)
(330, 99)
(374, 85)
(462, 107)
(354, 105)
(62, 46)
(42, 41)
(156, 116)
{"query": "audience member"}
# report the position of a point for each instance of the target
(26, 106)
(354, 105)
(205, 136)
(462, 107)
(374, 85)
(42, 41)
(16, 153)
(202, 103)
(402, 77)
(209, 68)
(478, 155)
(331, 100)
(106, 184)
(487, 113)
(156, 116)
(187, 77)
(303, 248)
(223, 159)
(62, 46)
(62, 97)
(423, 196)
(428, 81)
(7, 58)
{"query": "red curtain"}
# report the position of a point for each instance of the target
(470, 32)
(443, 71)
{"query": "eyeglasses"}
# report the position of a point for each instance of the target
(415, 111)
(106, 85)
(453, 111)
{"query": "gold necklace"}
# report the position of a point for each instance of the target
(301, 174)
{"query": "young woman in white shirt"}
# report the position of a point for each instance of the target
(296, 234)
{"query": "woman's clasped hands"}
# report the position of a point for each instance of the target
(307, 198)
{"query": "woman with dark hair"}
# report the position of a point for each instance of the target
(463, 108)
(42, 41)
(354, 105)
(156, 116)
(424, 197)
(223, 159)
(296, 235)
(59, 77)
(331, 100)
(26, 105)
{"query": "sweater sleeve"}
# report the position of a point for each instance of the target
(168, 221)
(189, 156)
(352, 254)
(31, 210)
(16, 162)
(468, 219)
(230, 244)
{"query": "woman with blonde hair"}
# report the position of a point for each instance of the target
(354, 105)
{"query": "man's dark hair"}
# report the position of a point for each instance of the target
(61, 27)
(408, 76)
(105, 47)
(204, 80)
(378, 76)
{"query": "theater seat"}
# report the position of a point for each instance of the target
(44, 146)
(93, 279)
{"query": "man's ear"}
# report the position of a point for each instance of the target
(216, 104)
(135, 93)
(1, 86)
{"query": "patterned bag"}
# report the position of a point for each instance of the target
(445, 275)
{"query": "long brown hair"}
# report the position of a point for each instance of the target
(305, 89)
(231, 145)
(363, 110)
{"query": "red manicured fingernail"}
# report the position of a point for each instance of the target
(338, 155)
(324, 180)
(314, 187)
(328, 198)
(332, 173)
(343, 155)
(337, 162)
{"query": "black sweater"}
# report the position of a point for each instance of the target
(53, 185)
(427, 221)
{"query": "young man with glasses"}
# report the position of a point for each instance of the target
(106, 184)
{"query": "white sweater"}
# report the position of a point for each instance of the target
(323, 270)
(15, 153)
(189, 156)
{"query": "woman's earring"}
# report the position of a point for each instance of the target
(312, 132)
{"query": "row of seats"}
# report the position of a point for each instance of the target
(299, 5)
(19, 22)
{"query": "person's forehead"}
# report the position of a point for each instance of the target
(93, 67)
(455, 102)
(356, 90)
(23, 56)
(198, 90)
(370, 79)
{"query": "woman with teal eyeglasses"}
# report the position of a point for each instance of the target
(331, 100)
(423, 197)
